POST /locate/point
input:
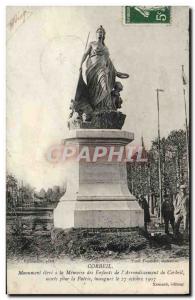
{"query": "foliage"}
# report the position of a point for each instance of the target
(143, 178)
(19, 194)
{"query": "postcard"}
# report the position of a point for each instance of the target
(98, 150)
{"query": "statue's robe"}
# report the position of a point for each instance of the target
(100, 75)
(82, 98)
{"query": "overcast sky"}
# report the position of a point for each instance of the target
(44, 50)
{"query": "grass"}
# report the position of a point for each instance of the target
(94, 244)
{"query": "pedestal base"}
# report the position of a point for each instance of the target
(98, 214)
(97, 195)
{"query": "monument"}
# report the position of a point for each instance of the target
(97, 195)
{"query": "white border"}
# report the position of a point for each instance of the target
(3, 5)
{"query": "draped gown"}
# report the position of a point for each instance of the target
(100, 75)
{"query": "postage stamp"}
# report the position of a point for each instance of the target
(147, 14)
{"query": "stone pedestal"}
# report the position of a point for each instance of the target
(97, 194)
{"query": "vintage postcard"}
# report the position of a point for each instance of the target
(98, 151)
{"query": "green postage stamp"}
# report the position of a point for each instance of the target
(147, 14)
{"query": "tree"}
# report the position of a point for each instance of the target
(11, 191)
(143, 178)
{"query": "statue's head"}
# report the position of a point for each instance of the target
(101, 32)
(118, 86)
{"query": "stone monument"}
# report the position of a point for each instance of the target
(97, 194)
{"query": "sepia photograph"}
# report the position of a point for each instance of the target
(98, 148)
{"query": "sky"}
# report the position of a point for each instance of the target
(44, 50)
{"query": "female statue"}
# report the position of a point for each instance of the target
(100, 73)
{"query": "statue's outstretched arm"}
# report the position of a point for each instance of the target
(122, 75)
(85, 56)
